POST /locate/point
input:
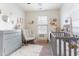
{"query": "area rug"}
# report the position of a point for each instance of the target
(30, 50)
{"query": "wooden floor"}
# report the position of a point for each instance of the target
(46, 50)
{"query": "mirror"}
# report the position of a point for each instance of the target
(5, 18)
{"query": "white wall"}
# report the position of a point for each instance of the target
(34, 16)
(70, 10)
(13, 12)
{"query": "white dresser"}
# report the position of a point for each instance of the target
(10, 41)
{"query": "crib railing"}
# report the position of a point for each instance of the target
(59, 43)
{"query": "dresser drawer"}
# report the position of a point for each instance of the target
(10, 36)
(9, 32)
(13, 40)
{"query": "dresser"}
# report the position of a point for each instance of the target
(10, 40)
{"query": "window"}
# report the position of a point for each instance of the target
(42, 25)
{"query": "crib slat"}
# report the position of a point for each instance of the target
(75, 49)
(59, 47)
(69, 47)
(64, 48)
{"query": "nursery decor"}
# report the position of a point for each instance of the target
(73, 46)
(53, 22)
(31, 22)
(5, 18)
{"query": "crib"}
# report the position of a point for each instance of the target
(64, 45)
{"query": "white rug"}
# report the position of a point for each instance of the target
(30, 50)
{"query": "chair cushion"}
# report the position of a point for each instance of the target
(28, 34)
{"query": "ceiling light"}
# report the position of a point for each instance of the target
(28, 3)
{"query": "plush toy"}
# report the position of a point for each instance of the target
(72, 46)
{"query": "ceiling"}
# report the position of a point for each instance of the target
(39, 6)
